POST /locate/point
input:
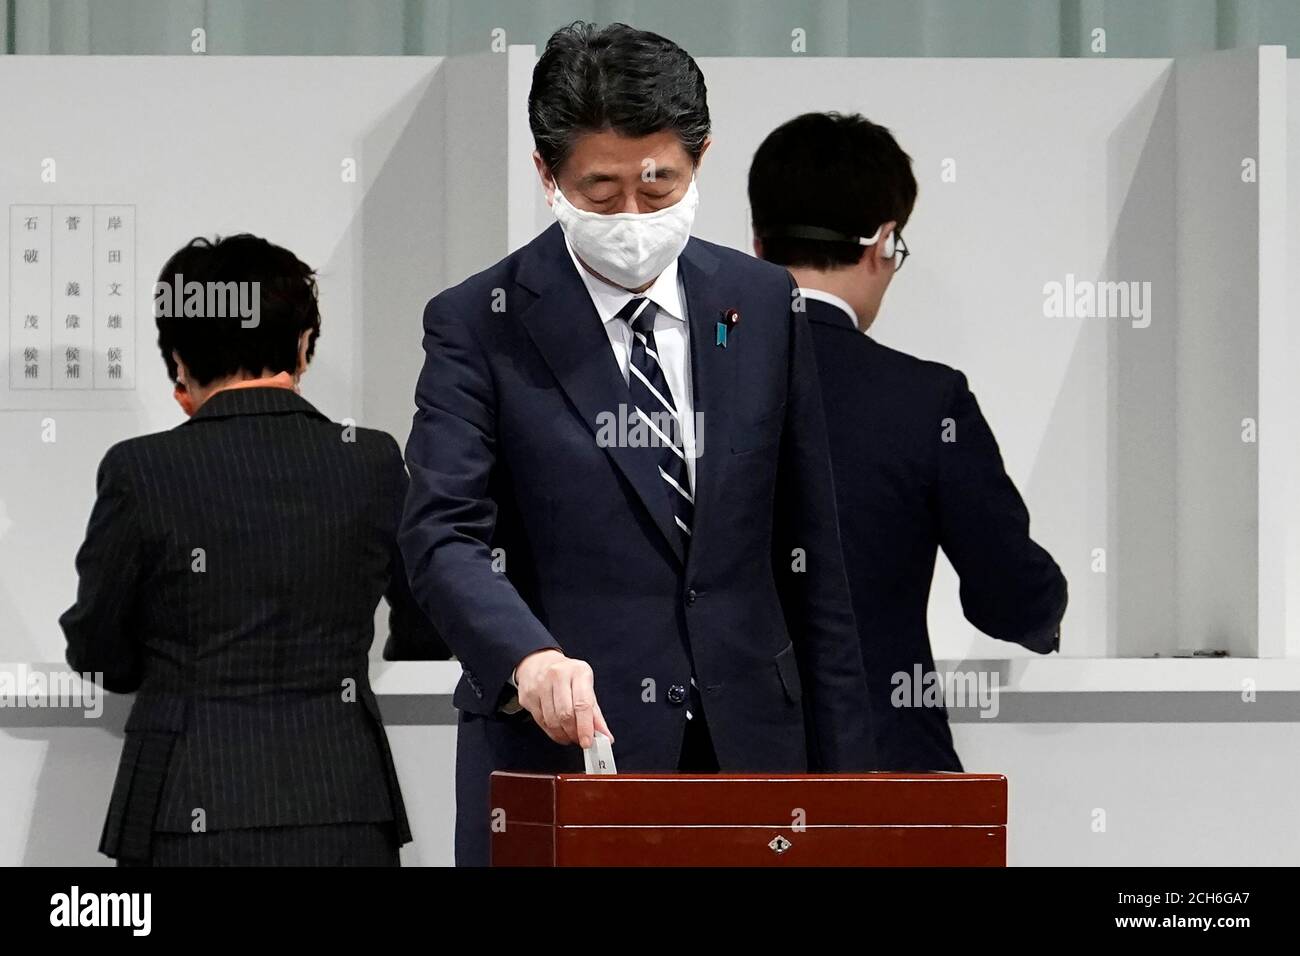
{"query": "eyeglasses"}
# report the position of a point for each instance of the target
(900, 251)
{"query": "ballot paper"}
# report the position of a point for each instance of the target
(600, 755)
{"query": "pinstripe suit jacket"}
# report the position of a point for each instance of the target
(229, 576)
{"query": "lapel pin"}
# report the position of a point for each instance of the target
(728, 322)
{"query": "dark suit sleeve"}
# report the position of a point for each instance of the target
(816, 601)
(411, 636)
(450, 516)
(1011, 589)
(99, 627)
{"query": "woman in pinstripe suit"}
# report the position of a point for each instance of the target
(229, 577)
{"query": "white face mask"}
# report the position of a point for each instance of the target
(628, 248)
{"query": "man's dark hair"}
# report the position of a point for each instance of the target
(218, 346)
(833, 171)
(617, 78)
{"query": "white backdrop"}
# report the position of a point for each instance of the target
(1123, 434)
(1123, 440)
(204, 146)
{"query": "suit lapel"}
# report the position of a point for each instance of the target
(712, 378)
(563, 324)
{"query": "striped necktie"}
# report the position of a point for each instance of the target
(653, 401)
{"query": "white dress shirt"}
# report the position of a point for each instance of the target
(830, 298)
(672, 338)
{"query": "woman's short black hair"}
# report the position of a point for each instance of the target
(835, 171)
(614, 78)
(222, 344)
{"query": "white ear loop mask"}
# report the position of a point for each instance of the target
(628, 248)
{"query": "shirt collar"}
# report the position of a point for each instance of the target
(279, 380)
(255, 400)
(663, 292)
(830, 299)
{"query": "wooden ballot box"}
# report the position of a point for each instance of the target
(651, 819)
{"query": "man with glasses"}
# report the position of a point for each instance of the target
(916, 467)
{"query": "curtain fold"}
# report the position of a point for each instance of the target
(986, 28)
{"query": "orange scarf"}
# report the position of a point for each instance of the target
(279, 380)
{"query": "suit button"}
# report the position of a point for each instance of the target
(676, 694)
(690, 596)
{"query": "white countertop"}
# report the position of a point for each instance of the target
(1036, 675)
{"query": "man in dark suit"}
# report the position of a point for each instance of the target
(229, 577)
(621, 496)
(916, 466)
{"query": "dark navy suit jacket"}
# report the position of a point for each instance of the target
(903, 493)
(522, 532)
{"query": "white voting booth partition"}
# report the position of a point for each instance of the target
(1089, 249)
(1099, 245)
(378, 172)
(382, 173)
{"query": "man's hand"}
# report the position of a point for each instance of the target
(560, 693)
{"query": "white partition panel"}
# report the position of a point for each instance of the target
(380, 172)
(1280, 383)
(1217, 350)
(1092, 185)
(1039, 157)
